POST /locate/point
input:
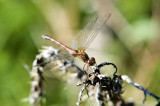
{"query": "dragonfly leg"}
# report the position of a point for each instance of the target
(84, 66)
(87, 68)
(85, 72)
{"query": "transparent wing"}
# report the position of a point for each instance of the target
(84, 38)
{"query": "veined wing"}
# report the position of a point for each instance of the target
(85, 37)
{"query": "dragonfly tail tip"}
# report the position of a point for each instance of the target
(44, 36)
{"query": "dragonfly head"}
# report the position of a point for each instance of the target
(91, 61)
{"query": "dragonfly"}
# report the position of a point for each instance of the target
(83, 39)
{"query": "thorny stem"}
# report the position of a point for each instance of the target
(80, 95)
(108, 89)
(48, 56)
(127, 79)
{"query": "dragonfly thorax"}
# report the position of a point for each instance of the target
(84, 57)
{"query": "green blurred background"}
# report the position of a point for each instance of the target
(132, 42)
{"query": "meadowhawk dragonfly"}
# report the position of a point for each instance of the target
(83, 39)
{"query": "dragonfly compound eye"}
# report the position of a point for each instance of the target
(92, 61)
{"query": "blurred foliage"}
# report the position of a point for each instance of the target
(133, 39)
